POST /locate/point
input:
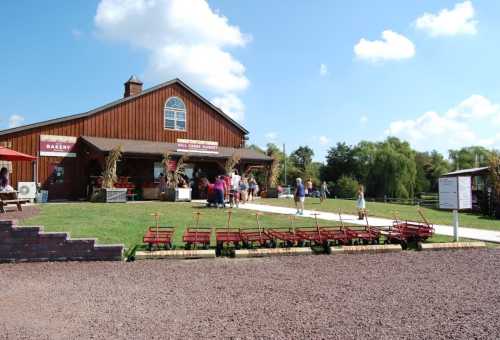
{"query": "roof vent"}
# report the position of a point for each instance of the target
(133, 87)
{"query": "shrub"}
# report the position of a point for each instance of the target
(346, 187)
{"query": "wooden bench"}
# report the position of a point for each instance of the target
(10, 198)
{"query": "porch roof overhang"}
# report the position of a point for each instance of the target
(150, 148)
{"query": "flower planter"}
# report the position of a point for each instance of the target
(178, 195)
(114, 195)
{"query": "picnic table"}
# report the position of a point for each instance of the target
(10, 198)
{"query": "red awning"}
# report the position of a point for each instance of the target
(7, 154)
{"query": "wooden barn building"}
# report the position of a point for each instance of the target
(170, 117)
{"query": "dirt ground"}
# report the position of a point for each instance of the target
(13, 214)
(438, 295)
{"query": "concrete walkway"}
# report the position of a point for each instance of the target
(470, 233)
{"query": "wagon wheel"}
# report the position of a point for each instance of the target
(167, 246)
(187, 246)
(246, 245)
(404, 244)
(218, 248)
(272, 244)
(301, 243)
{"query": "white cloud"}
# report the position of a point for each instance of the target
(464, 124)
(457, 21)
(393, 46)
(323, 70)
(363, 120)
(185, 39)
(230, 104)
(323, 140)
(15, 121)
(271, 136)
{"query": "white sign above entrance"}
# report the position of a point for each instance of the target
(197, 146)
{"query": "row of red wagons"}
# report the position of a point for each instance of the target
(402, 232)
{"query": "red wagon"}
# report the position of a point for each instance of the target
(362, 234)
(158, 235)
(404, 232)
(227, 236)
(288, 237)
(196, 236)
(255, 236)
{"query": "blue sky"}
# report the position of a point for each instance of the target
(433, 81)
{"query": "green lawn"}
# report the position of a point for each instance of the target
(126, 223)
(387, 210)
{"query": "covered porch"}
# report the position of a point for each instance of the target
(141, 166)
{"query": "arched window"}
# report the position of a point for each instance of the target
(175, 114)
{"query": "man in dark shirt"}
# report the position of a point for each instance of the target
(299, 196)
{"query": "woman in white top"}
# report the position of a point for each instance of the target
(360, 203)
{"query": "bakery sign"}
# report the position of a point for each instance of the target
(57, 146)
(197, 146)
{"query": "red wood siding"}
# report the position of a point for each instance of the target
(140, 118)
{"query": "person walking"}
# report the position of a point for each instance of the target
(323, 192)
(309, 188)
(252, 186)
(360, 203)
(299, 196)
(235, 189)
(244, 190)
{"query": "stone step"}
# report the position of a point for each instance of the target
(264, 252)
(452, 245)
(175, 254)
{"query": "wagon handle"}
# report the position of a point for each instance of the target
(423, 216)
(229, 214)
(258, 224)
(197, 219)
(315, 214)
(366, 219)
(341, 220)
(157, 218)
(292, 219)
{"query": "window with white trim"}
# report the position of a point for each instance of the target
(175, 114)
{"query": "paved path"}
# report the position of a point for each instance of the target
(470, 233)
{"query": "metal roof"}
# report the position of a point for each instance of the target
(471, 171)
(121, 101)
(144, 147)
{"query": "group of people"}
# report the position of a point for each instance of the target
(301, 193)
(240, 189)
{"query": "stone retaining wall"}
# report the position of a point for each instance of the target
(22, 244)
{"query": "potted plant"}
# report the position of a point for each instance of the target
(173, 193)
(108, 193)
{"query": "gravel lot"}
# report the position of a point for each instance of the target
(438, 295)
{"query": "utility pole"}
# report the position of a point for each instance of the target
(284, 157)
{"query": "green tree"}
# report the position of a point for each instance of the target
(302, 157)
(469, 157)
(346, 187)
(340, 162)
(394, 170)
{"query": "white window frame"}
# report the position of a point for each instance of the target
(176, 113)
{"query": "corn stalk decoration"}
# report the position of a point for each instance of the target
(172, 177)
(232, 162)
(109, 175)
(274, 172)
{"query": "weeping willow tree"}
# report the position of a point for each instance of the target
(232, 162)
(495, 180)
(109, 175)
